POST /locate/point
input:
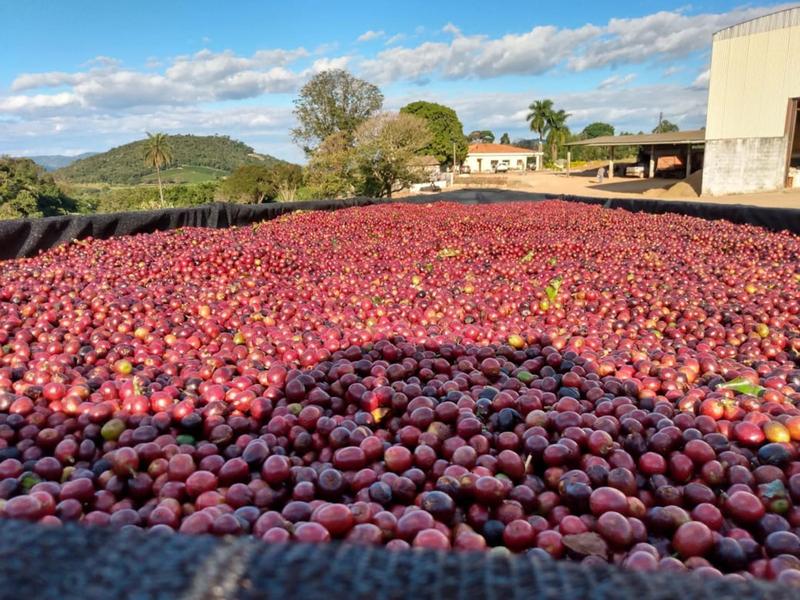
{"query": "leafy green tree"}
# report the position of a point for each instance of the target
(27, 191)
(557, 131)
(258, 183)
(481, 135)
(250, 183)
(332, 172)
(539, 115)
(287, 178)
(597, 129)
(445, 130)
(665, 127)
(592, 130)
(504, 139)
(333, 101)
(385, 148)
(158, 154)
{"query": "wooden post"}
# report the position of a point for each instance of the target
(688, 160)
(611, 164)
(569, 161)
(652, 171)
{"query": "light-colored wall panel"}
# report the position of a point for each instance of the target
(754, 72)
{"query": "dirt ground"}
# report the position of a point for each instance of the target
(585, 184)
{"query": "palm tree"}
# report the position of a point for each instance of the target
(158, 154)
(539, 116)
(558, 132)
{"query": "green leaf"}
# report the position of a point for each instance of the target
(527, 258)
(525, 376)
(740, 385)
(552, 288)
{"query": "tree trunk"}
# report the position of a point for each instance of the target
(554, 151)
(160, 188)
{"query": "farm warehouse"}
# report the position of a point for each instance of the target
(752, 130)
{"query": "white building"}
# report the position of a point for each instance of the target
(753, 125)
(485, 158)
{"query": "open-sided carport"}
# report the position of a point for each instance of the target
(673, 143)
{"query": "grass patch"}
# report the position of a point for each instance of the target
(186, 174)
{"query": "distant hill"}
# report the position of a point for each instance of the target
(51, 162)
(196, 158)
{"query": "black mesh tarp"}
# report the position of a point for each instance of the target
(82, 563)
(27, 237)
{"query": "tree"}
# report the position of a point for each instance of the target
(504, 139)
(445, 130)
(331, 102)
(385, 148)
(157, 154)
(27, 191)
(257, 183)
(287, 178)
(558, 132)
(332, 170)
(539, 115)
(597, 129)
(592, 130)
(665, 126)
(481, 135)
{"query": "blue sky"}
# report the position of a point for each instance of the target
(88, 75)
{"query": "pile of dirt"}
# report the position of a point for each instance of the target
(688, 188)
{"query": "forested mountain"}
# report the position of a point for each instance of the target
(195, 158)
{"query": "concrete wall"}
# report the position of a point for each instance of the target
(744, 165)
(755, 71)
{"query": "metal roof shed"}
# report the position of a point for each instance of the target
(671, 138)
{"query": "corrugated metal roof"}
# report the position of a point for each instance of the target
(499, 149)
(697, 136)
(789, 17)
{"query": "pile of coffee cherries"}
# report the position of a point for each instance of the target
(550, 378)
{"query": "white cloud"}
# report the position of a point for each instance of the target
(38, 102)
(701, 81)
(666, 35)
(451, 29)
(672, 70)
(478, 56)
(616, 81)
(370, 35)
(205, 76)
(327, 64)
(398, 37)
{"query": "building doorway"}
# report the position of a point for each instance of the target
(793, 152)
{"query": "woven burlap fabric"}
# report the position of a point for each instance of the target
(83, 563)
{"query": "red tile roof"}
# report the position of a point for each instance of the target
(498, 149)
